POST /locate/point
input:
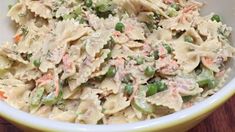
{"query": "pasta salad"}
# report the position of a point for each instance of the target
(112, 61)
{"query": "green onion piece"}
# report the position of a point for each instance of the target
(140, 102)
(36, 97)
(37, 63)
(189, 39)
(216, 18)
(111, 72)
(120, 27)
(168, 48)
(149, 71)
(51, 99)
(128, 89)
(206, 78)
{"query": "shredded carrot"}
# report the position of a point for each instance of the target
(2, 96)
(57, 87)
(17, 38)
(66, 62)
(190, 8)
(44, 79)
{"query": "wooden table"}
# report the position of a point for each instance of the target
(222, 120)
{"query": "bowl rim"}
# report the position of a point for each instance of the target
(202, 108)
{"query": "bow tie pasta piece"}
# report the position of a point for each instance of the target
(39, 9)
(85, 71)
(20, 14)
(136, 6)
(27, 72)
(101, 23)
(169, 98)
(10, 50)
(5, 63)
(115, 103)
(97, 41)
(16, 92)
(108, 85)
(185, 86)
(70, 30)
(65, 116)
(92, 110)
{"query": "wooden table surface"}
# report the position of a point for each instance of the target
(222, 120)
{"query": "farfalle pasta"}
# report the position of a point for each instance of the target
(112, 61)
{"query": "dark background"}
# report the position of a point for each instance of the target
(222, 120)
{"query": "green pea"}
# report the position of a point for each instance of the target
(155, 87)
(168, 48)
(216, 18)
(152, 89)
(140, 60)
(88, 3)
(128, 89)
(37, 63)
(161, 86)
(189, 39)
(111, 72)
(149, 71)
(175, 6)
(120, 27)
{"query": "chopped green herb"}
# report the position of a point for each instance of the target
(168, 48)
(216, 18)
(156, 54)
(24, 31)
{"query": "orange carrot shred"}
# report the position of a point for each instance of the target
(2, 96)
(17, 38)
(57, 87)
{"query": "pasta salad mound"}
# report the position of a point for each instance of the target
(112, 61)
